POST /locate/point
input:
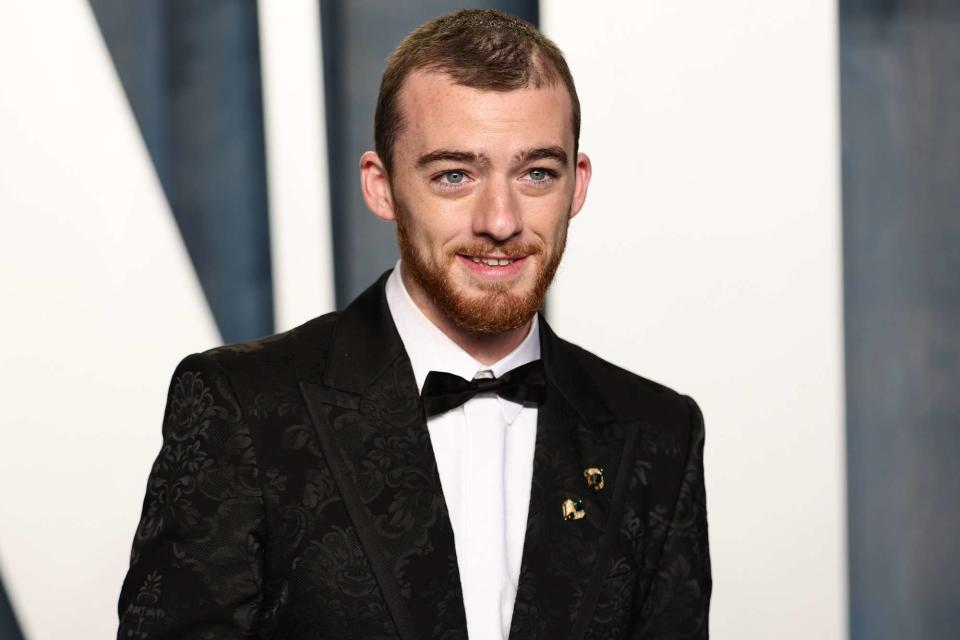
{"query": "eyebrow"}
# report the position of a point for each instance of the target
(447, 155)
(469, 157)
(542, 153)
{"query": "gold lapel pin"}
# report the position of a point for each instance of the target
(594, 478)
(573, 509)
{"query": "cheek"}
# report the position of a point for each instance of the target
(551, 226)
(431, 238)
(442, 227)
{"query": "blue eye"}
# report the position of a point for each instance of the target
(538, 175)
(454, 177)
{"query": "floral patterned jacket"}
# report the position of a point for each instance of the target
(296, 495)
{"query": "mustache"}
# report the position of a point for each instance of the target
(510, 249)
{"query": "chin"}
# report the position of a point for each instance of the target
(478, 288)
(492, 308)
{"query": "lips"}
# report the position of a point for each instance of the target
(492, 262)
(487, 266)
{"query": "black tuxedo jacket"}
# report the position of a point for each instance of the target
(296, 495)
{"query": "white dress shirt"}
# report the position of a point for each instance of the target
(484, 452)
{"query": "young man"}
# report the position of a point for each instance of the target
(434, 461)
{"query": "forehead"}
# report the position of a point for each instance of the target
(438, 113)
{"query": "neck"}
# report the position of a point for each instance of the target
(485, 348)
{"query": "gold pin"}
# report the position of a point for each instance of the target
(594, 478)
(573, 509)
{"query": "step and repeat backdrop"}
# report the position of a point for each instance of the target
(771, 228)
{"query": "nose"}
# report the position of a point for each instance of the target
(497, 215)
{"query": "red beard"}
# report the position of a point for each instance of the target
(497, 309)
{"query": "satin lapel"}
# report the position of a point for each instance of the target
(564, 561)
(367, 413)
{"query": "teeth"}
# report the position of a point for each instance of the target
(493, 262)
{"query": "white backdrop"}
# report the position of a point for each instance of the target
(301, 249)
(100, 301)
(708, 258)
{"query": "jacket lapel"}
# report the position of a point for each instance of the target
(564, 561)
(362, 396)
(365, 405)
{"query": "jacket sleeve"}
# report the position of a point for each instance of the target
(195, 569)
(678, 603)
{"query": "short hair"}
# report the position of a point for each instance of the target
(478, 48)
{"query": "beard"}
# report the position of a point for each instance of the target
(498, 308)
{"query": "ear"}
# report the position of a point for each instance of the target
(375, 184)
(583, 172)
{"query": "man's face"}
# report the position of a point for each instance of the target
(483, 187)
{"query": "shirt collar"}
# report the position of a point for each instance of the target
(429, 349)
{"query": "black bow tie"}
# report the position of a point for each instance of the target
(444, 391)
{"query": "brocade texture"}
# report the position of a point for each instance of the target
(296, 495)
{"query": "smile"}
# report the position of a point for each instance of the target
(492, 262)
(495, 267)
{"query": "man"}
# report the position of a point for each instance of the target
(433, 461)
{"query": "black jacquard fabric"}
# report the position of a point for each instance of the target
(296, 495)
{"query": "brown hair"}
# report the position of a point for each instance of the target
(478, 48)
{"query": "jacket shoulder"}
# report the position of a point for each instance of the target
(630, 396)
(269, 363)
(312, 337)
